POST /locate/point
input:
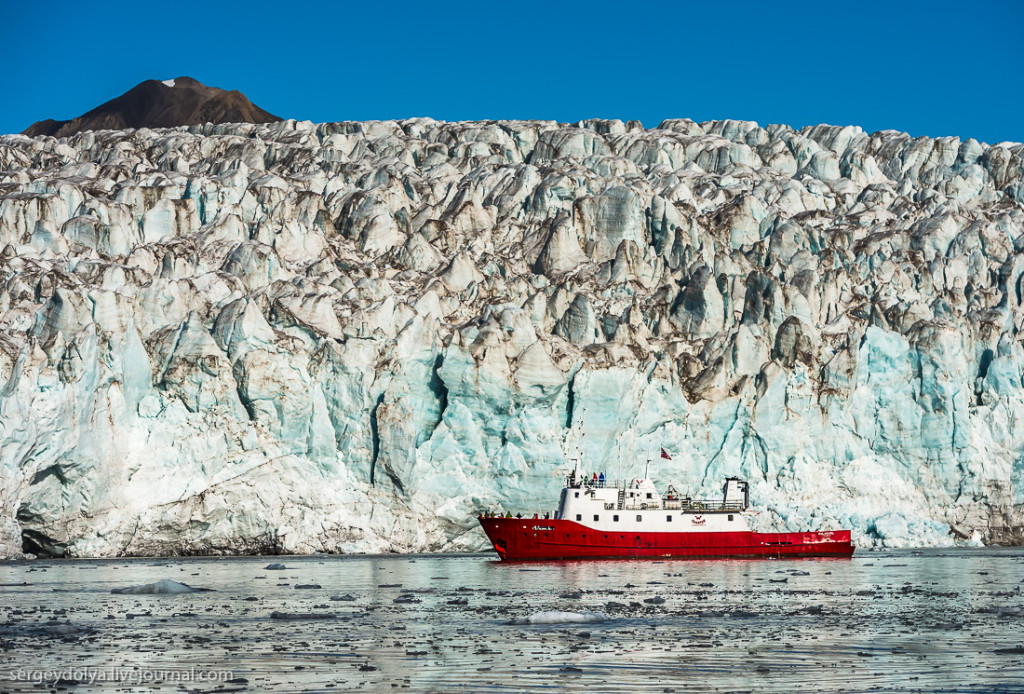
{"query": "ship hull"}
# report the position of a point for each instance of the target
(524, 539)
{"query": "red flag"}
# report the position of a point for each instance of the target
(665, 455)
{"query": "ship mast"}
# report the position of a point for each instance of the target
(619, 472)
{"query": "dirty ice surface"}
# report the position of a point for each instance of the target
(934, 620)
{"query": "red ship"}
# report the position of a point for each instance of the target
(630, 519)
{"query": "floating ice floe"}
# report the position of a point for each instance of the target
(163, 587)
(301, 616)
(556, 617)
(1003, 611)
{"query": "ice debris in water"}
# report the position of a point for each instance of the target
(556, 617)
(274, 567)
(163, 587)
(1003, 611)
(300, 616)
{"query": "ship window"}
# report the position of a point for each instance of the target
(639, 517)
(668, 518)
(597, 517)
(577, 495)
(649, 495)
(730, 516)
(579, 516)
(615, 519)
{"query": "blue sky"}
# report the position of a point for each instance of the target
(929, 68)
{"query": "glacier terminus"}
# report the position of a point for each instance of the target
(354, 337)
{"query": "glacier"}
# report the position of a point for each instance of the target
(351, 337)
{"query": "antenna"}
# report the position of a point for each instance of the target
(583, 431)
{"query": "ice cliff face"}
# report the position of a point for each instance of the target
(351, 336)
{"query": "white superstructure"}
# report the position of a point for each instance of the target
(637, 506)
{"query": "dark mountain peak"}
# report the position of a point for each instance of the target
(160, 104)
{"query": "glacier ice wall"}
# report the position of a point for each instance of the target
(351, 336)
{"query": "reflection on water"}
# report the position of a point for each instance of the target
(894, 621)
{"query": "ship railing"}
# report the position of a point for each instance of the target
(598, 484)
(688, 505)
(589, 482)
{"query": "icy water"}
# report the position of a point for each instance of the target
(934, 621)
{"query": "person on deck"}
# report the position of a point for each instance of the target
(600, 480)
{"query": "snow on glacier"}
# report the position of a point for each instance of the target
(353, 336)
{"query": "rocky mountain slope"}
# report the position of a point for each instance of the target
(352, 336)
(160, 104)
